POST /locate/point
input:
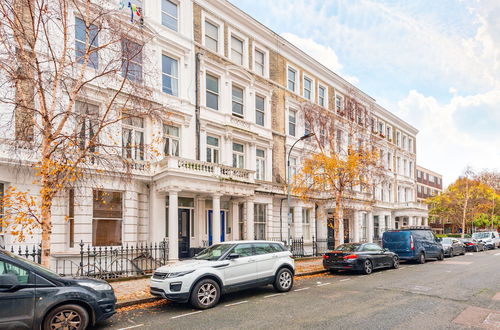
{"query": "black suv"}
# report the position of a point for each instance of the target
(32, 297)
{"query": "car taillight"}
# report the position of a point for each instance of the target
(351, 256)
(412, 246)
(326, 256)
(469, 244)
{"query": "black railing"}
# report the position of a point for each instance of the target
(33, 253)
(110, 262)
(308, 248)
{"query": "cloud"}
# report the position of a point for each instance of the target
(446, 142)
(323, 54)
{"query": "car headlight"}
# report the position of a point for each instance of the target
(96, 286)
(179, 274)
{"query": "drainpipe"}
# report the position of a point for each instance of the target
(197, 104)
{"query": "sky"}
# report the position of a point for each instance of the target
(435, 64)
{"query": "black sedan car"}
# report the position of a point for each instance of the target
(364, 257)
(452, 247)
(33, 297)
(473, 245)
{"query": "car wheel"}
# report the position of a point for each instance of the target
(395, 262)
(72, 317)
(476, 248)
(441, 256)
(205, 294)
(452, 253)
(421, 258)
(463, 253)
(333, 271)
(284, 280)
(367, 267)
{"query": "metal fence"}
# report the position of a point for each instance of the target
(110, 262)
(33, 253)
(310, 248)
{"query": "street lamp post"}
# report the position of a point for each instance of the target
(289, 197)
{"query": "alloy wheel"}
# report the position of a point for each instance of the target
(66, 320)
(395, 263)
(368, 267)
(207, 294)
(285, 280)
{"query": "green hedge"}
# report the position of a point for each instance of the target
(453, 235)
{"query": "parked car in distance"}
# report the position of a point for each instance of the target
(33, 297)
(223, 268)
(364, 257)
(491, 239)
(473, 245)
(452, 246)
(414, 243)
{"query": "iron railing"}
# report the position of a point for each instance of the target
(33, 253)
(110, 262)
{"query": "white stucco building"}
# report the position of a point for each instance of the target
(234, 90)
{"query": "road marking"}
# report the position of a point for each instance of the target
(448, 271)
(411, 266)
(132, 326)
(469, 254)
(273, 295)
(497, 254)
(187, 314)
(237, 303)
(345, 279)
(401, 267)
(390, 270)
(322, 284)
(297, 290)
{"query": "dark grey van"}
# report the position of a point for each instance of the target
(413, 244)
(32, 297)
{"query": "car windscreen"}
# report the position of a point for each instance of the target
(348, 247)
(481, 235)
(214, 252)
(38, 267)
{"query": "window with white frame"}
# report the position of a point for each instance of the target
(338, 141)
(380, 127)
(260, 110)
(171, 140)
(237, 101)
(169, 14)
(131, 60)
(86, 41)
(389, 161)
(400, 194)
(170, 75)
(259, 62)
(419, 174)
(292, 79)
(307, 88)
(292, 122)
(389, 189)
(212, 92)
(410, 167)
(212, 36)
(404, 146)
(339, 103)
(88, 121)
(238, 155)
(259, 212)
(322, 96)
(398, 165)
(388, 131)
(237, 50)
(293, 167)
(213, 149)
(306, 223)
(133, 137)
(260, 166)
(398, 139)
(419, 189)
(405, 169)
(107, 218)
(410, 144)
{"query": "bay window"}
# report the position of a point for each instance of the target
(171, 140)
(213, 149)
(133, 138)
(107, 218)
(238, 155)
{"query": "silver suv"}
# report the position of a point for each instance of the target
(222, 268)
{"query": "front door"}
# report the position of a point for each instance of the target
(222, 226)
(184, 222)
(346, 230)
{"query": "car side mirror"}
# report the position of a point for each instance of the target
(8, 282)
(385, 250)
(232, 256)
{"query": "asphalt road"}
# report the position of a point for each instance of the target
(458, 293)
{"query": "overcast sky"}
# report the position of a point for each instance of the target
(434, 63)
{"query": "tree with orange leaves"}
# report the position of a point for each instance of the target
(344, 158)
(55, 56)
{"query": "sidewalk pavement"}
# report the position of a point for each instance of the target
(132, 292)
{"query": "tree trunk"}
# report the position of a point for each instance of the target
(46, 196)
(338, 230)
